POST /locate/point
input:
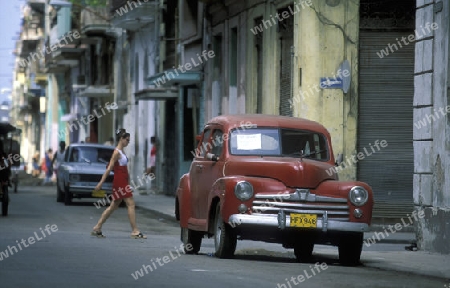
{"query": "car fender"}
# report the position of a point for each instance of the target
(223, 191)
(341, 189)
(183, 201)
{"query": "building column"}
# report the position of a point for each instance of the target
(431, 127)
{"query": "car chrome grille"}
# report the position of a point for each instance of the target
(94, 178)
(301, 202)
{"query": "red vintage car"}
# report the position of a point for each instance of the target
(270, 178)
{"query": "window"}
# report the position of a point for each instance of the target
(304, 143)
(258, 141)
(233, 57)
(204, 145)
(258, 66)
(217, 142)
(91, 154)
(216, 93)
(279, 142)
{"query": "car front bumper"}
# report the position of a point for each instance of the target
(283, 221)
(86, 189)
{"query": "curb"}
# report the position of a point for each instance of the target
(390, 241)
(157, 213)
(391, 267)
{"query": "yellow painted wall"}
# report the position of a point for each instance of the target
(324, 36)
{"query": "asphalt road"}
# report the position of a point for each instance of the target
(57, 250)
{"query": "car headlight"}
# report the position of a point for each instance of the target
(243, 190)
(74, 177)
(358, 196)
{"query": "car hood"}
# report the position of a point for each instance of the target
(293, 172)
(86, 168)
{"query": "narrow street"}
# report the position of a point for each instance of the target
(64, 254)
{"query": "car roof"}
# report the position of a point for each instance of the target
(232, 121)
(95, 145)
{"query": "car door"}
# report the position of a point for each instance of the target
(210, 170)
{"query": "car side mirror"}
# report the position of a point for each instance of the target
(339, 159)
(212, 157)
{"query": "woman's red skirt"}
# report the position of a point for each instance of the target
(121, 188)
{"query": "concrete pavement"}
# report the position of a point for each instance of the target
(416, 262)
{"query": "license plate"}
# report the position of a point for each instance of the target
(303, 220)
(99, 193)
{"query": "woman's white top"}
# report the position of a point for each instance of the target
(123, 160)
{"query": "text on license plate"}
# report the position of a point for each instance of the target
(303, 220)
(99, 193)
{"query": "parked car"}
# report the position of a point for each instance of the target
(267, 178)
(18, 172)
(83, 167)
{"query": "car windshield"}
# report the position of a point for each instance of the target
(91, 154)
(279, 142)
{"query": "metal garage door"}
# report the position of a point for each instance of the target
(386, 88)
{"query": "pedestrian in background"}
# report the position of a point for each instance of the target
(110, 142)
(5, 167)
(48, 166)
(152, 167)
(59, 155)
(36, 172)
(121, 188)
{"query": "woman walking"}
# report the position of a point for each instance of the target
(121, 188)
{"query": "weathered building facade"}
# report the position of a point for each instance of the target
(277, 57)
(135, 25)
(432, 125)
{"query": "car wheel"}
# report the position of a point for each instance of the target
(350, 249)
(303, 251)
(192, 238)
(59, 193)
(5, 201)
(67, 196)
(225, 239)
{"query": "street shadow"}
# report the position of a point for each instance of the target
(85, 202)
(262, 255)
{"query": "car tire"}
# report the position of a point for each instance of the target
(192, 238)
(303, 251)
(67, 196)
(59, 193)
(350, 249)
(225, 239)
(5, 201)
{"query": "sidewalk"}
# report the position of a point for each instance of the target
(416, 262)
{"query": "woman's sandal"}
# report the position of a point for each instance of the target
(98, 234)
(139, 236)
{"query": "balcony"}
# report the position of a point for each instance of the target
(37, 5)
(41, 79)
(62, 52)
(95, 21)
(96, 91)
(157, 94)
(25, 48)
(68, 55)
(132, 15)
(63, 58)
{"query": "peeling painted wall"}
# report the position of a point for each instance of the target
(326, 37)
(431, 149)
